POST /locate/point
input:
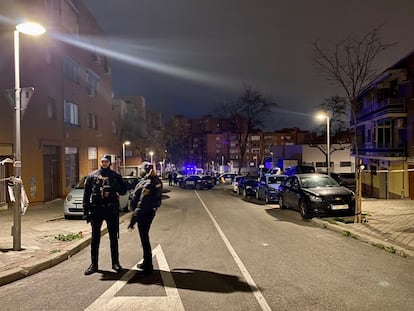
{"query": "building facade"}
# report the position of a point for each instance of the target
(70, 119)
(385, 132)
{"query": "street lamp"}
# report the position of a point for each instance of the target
(32, 29)
(125, 143)
(151, 153)
(328, 147)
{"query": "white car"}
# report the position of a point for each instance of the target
(73, 203)
(235, 183)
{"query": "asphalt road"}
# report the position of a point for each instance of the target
(215, 251)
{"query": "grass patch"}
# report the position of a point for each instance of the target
(391, 249)
(346, 233)
(54, 251)
(69, 237)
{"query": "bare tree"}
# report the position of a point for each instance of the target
(336, 107)
(350, 64)
(244, 114)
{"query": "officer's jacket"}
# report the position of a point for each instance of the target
(147, 195)
(102, 188)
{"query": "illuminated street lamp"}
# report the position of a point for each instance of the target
(328, 147)
(125, 143)
(32, 29)
(151, 153)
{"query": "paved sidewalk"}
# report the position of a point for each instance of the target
(389, 225)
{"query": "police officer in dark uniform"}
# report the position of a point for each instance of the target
(145, 202)
(101, 202)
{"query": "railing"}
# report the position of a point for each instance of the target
(382, 152)
(376, 109)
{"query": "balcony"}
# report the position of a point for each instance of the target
(385, 107)
(399, 152)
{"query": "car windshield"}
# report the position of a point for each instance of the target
(81, 183)
(318, 181)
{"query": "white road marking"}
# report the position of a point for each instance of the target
(172, 301)
(256, 292)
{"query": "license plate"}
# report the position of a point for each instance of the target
(339, 206)
(190, 182)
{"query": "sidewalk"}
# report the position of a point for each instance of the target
(389, 225)
(40, 249)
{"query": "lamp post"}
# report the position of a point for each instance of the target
(151, 153)
(328, 146)
(32, 29)
(125, 143)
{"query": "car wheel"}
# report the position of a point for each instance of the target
(257, 195)
(303, 210)
(198, 187)
(281, 203)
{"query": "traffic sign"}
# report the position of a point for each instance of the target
(25, 96)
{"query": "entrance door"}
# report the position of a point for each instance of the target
(51, 172)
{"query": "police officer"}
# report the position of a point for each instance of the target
(145, 202)
(101, 202)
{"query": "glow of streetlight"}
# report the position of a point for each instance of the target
(322, 116)
(29, 29)
(151, 153)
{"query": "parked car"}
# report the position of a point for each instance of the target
(345, 179)
(299, 169)
(316, 194)
(268, 187)
(247, 186)
(197, 182)
(72, 207)
(226, 178)
(235, 183)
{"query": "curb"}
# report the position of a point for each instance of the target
(15, 274)
(340, 228)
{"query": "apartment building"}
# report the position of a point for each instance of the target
(70, 119)
(385, 126)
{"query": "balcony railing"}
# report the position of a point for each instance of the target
(382, 152)
(384, 107)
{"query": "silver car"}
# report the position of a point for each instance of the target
(72, 207)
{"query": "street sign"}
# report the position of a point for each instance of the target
(25, 96)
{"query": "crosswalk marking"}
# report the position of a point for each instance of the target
(172, 301)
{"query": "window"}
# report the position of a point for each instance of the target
(345, 164)
(71, 113)
(92, 121)
(71, 69)
(92, 81)
(92, 158)
(51, 109)
(384, 139)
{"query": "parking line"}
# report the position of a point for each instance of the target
(256, 292)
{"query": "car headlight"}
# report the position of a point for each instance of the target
(69, 197)
(272, 190)
(315, 198)
(248, 187)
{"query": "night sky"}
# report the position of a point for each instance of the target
(185, 56)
